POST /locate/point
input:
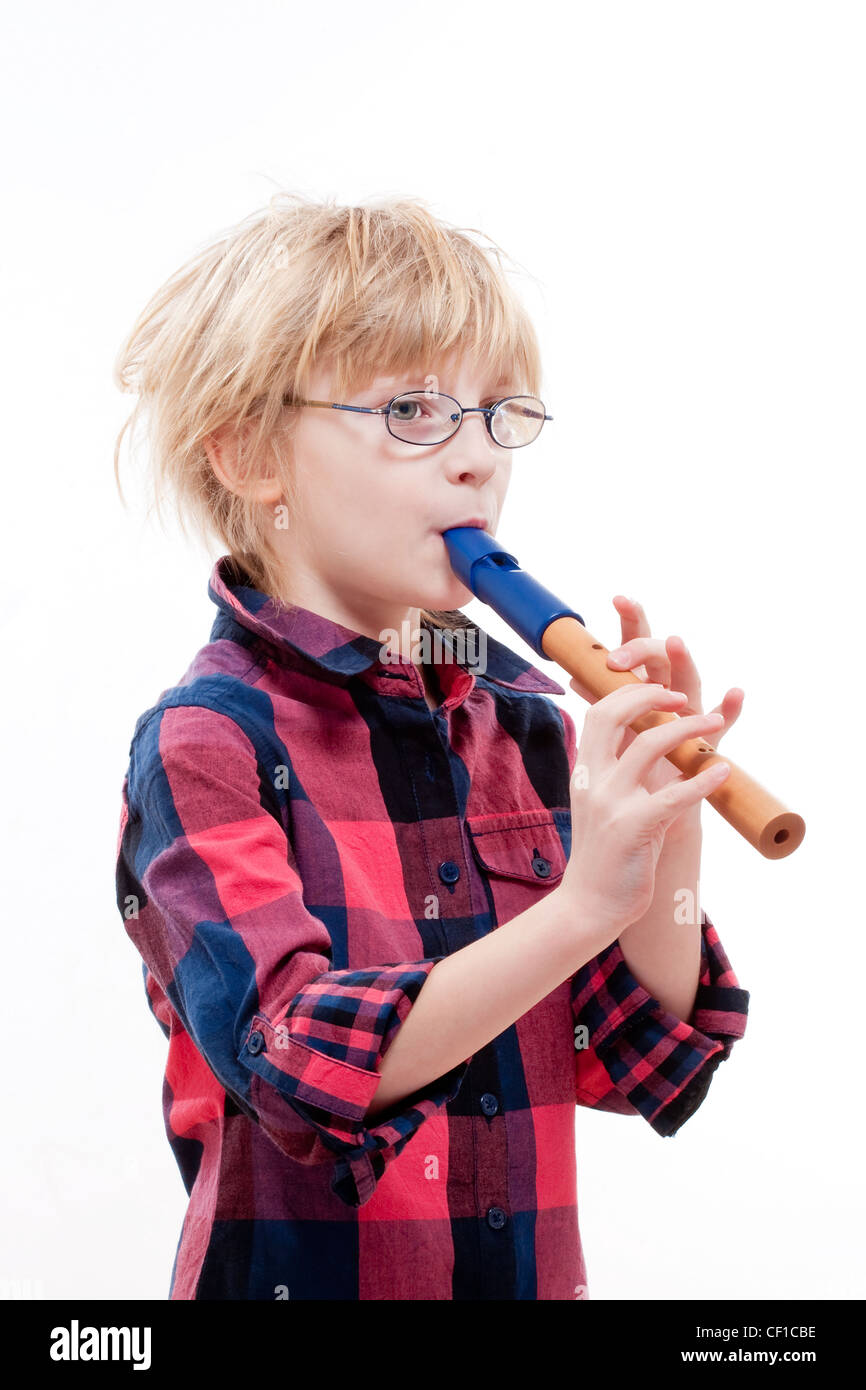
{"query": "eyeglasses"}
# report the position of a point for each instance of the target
(428, 417)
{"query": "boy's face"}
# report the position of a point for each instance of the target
(369, 539)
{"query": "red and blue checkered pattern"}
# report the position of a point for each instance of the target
(301, 840)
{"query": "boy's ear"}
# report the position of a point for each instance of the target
(221, 449)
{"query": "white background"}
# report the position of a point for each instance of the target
(684, 181)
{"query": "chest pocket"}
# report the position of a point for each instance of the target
(524, 847)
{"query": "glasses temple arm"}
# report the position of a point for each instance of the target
(335, 405)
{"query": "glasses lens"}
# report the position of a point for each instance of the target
(517, 421)
(420, 418)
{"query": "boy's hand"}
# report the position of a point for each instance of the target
(668, 663)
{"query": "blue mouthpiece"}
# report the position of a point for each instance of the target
(496, 578)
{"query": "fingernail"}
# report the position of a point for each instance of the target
(619, 657)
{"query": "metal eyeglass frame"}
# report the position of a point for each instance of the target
(486, 410)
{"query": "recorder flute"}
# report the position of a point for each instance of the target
(554, 630)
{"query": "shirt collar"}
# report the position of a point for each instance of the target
(339, 650)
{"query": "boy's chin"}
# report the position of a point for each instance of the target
(446, 598)
(449, 591)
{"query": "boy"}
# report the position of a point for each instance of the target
(385, 974)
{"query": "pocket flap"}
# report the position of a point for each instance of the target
(524, 845)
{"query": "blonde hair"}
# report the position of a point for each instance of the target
(373, 289)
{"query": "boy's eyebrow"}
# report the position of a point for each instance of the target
(386, 382)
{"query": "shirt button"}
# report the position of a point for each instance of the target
(256, 1042)
(541, 866)
(449, 872)
(489, 1103)
(496, 1218)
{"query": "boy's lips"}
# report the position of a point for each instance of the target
(480, 522)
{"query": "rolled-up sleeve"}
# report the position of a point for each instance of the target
(640, 1059)
(324, 1057)
(221, 923)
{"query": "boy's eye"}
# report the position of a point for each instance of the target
(406, 409)
(413, 407)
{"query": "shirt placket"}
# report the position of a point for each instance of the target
(483, 1226)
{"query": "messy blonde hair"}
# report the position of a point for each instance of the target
(374, 289)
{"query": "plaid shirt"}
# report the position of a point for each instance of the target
(301, 840)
